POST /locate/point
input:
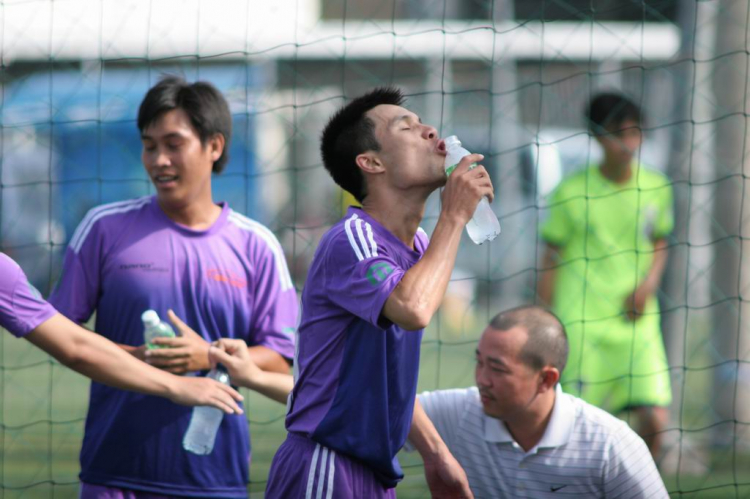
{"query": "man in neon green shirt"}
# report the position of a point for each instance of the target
(606, 252)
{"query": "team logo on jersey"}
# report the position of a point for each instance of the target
(377, 272)
(226, 277)
(145, 267)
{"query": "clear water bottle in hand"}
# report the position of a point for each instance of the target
(155, 328)
(484, 225)
(205, 421)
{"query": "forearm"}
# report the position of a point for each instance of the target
(98, 358)
(443, 473)
(129, 348)
(268, 359)
(547, 275)
(424, 436)
(242, 364)
(273, 385)
(420, 292)
(658, 265)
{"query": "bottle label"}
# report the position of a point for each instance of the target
(450, 169)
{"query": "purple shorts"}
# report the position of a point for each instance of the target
(302, 468)
(89, 491)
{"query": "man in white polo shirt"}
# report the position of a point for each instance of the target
(516, 434)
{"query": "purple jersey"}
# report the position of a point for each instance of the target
(356, 371)
(21, 306)
(230, 280)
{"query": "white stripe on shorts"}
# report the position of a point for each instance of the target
(322, 473)
(311, 473)
(331, 471)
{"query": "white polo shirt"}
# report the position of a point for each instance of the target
(584, 452)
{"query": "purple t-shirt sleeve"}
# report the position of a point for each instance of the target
(276, 308)
(76, 293)
(22, 308)
(360, 275)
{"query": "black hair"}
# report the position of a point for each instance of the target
(547, 343)
(607, 110)
(202, 102)
(349, 133)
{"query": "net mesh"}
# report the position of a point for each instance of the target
(510, 78)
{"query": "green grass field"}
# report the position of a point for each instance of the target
(43, 406)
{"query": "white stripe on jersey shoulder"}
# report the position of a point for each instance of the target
(94, 214)
(265, 234)
(364, 246)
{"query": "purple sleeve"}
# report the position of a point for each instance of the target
(22, 308)
(359, 279)
(76, 292)
(276, 306)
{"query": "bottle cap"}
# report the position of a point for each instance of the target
(452, 140)
(150, 318)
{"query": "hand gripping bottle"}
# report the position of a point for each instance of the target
(205, 421)
(484, 225)
(154, 328)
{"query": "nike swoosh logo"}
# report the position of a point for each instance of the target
(555, 489)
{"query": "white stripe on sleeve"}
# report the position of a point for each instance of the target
(84, 228)
(273, 244)
(362, 240)
(373, 244)
(350, 235)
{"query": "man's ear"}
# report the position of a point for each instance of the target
(216, 145)
(369, 162)
(549, 378)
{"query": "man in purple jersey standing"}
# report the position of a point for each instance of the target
(224, 274)
(373, 286)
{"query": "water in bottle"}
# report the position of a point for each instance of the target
(155, 328)
(484, 225)
(205, 421)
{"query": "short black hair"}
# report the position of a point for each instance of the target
(547, 343)
(202, 102)
(611, 110)
(349, 133)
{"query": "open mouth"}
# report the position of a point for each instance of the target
(165, 180)
(441, 147)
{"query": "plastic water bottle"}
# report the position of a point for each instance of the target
(205, 421)
(155, 328)
(484, 225)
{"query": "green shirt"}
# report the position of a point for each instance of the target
(606, 233)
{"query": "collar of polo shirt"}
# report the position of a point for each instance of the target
(557, 432)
